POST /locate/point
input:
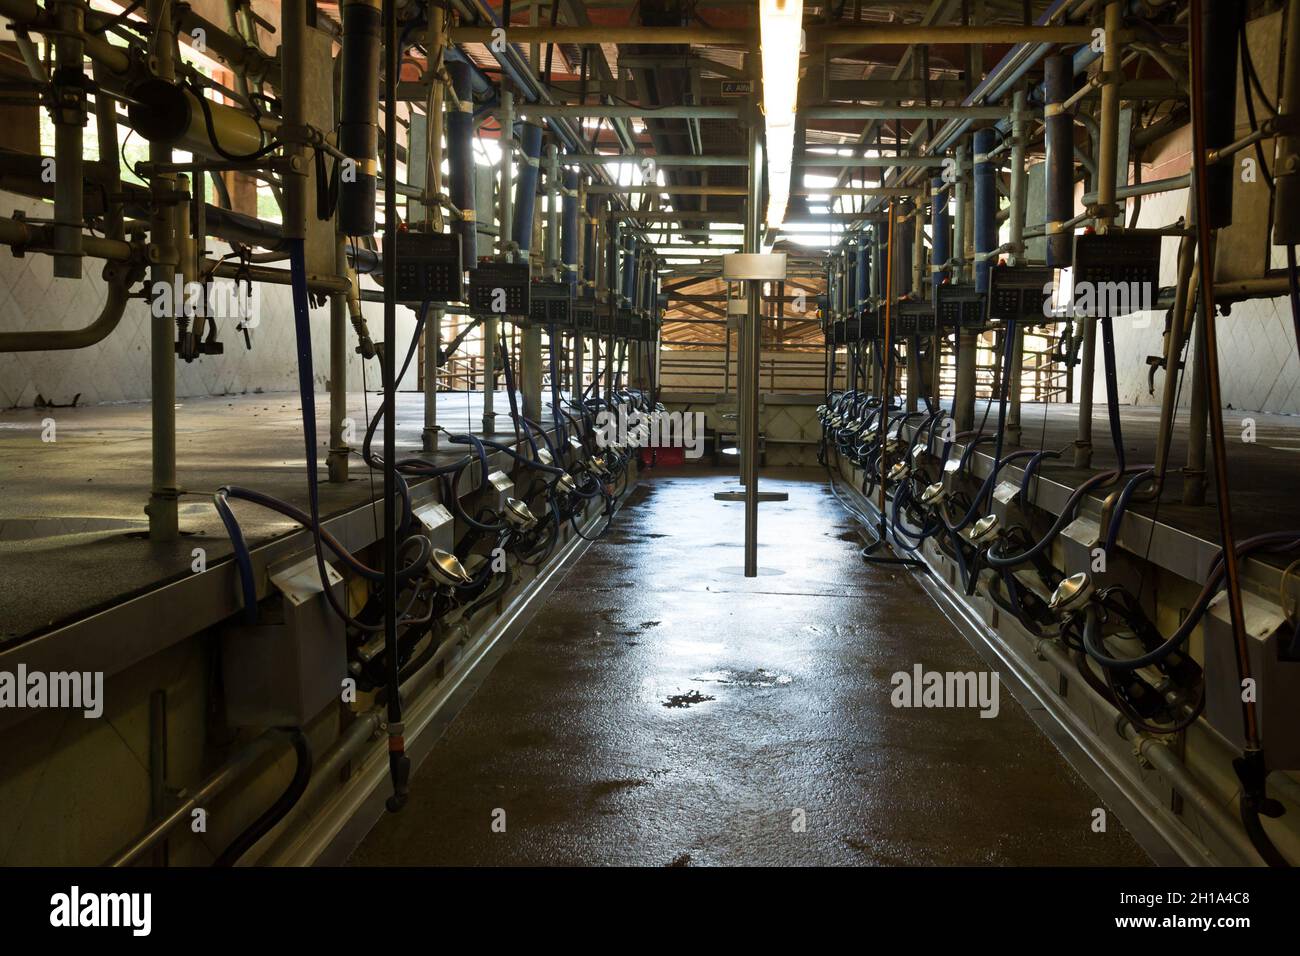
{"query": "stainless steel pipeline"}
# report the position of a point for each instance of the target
(209, 790)
(119, 276)
(1142, 189)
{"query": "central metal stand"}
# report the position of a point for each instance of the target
(751, 344)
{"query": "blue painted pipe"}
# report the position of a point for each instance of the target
(629, 272)
(994, 86)
(986, 206)
(569, 232)
(460, 159)
(940, 235)
(877, 262)
(863, 271)
(521, 230)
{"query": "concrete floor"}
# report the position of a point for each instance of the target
(662, 709)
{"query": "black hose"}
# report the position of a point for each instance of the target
(278, 810)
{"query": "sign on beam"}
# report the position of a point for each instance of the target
(761, 266)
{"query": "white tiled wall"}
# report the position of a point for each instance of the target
(117, 369)
(1258, 362)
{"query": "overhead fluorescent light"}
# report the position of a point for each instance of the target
(780, 24)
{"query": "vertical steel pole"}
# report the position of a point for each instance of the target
(164, 523)
(886, 334)
(751, 344)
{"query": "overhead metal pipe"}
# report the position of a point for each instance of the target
(614, 159)
(597, 111)
(867, 162)
(902, 34)
(855, 112)
(598, 35)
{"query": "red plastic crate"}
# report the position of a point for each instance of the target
(663, 457)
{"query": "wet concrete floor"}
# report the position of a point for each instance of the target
(662, 709)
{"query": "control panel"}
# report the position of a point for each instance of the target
(429, 267)
(864, 325)
(1115, 274)
(1021, 293)
(584, 316)
(913, 318)
(551, 304)
(623, 323)
(959, 307)
(499, 288)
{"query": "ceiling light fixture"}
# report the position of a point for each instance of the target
(780, 24)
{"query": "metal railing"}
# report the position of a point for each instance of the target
(715, 372)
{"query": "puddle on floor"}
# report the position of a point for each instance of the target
(688, 699)
(761, 677)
